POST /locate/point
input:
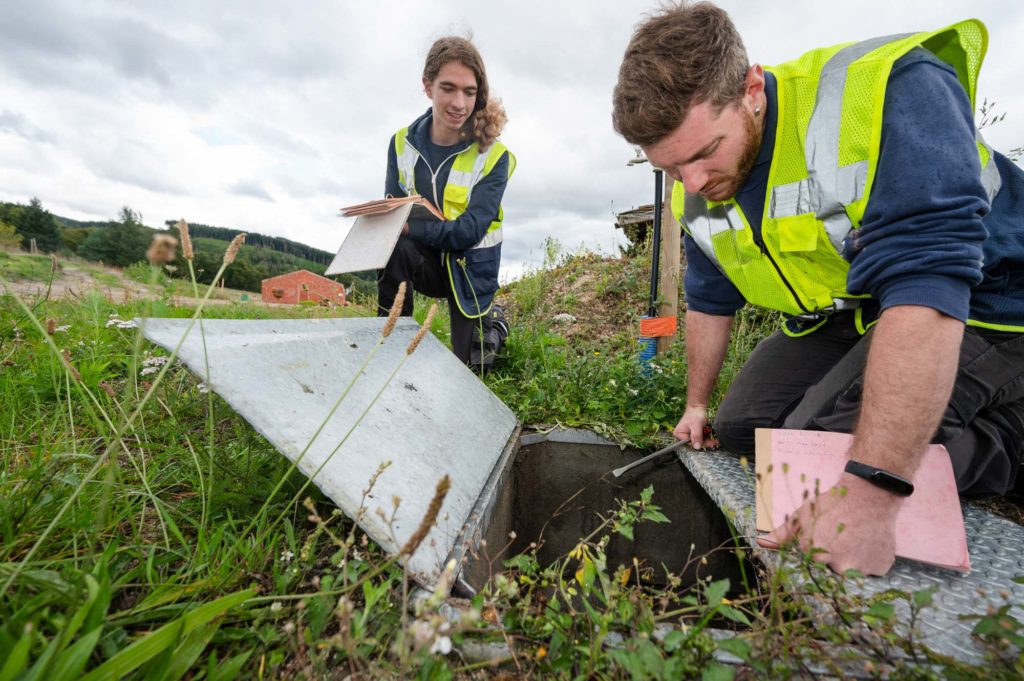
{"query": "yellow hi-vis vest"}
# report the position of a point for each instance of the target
(468, 168)
(827, 143)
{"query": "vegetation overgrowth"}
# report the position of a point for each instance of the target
(148, 532)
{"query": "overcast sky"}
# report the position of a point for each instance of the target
(269, 116)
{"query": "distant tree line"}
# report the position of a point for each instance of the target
(274, 243)
(123, 242)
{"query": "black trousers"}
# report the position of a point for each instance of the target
(422, 270)
(815, 382)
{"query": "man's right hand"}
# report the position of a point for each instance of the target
(692, 426)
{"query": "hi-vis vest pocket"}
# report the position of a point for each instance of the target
(456, 200)
(798, 233)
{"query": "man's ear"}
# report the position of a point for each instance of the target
(427, 89)
(753, 87)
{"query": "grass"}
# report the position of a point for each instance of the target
(148, 532)
(16, 266)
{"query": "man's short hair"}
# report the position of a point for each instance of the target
(679, 57)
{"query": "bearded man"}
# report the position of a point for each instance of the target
(850, 190)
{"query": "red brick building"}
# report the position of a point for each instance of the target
(295, 287)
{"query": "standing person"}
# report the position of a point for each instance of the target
(850, 190)
(452, 156)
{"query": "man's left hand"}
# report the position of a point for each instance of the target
(850, 526)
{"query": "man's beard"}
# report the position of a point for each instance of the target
(730, 184)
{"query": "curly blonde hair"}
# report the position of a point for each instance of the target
(488, 118)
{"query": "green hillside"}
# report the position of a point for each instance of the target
(123, 242)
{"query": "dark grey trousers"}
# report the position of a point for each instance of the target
(815, 382)
(421, 269)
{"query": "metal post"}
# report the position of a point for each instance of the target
(655, 244)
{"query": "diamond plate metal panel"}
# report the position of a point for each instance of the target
(434, 418)
(995, 546)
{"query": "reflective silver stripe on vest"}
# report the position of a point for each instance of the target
(406, 163)
(831, 187)
(490, 239)
(469, 179)
(797, 198)
(990, 177)
(703, 223)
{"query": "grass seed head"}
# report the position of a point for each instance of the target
(233, 247)
(65, 355)
(429, 518)
(162, 250)
(186, 239)
(396, 310)
(107, 388)
(423, 330)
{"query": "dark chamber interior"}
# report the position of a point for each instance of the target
(551, 493)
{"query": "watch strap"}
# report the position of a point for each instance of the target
(880, 477)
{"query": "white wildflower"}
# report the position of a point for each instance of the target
(146, 371)
(286, 556)
(443, 645)
(275, 606)
(634, 392)
(422, 634)
(203, 388)
(62, 328)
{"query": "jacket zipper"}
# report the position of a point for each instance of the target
(433, 173)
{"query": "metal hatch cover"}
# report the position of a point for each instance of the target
(434, 418)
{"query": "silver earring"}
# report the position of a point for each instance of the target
(757, 111)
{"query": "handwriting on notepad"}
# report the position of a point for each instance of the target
(805, 442)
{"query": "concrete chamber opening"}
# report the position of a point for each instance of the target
(552, 488)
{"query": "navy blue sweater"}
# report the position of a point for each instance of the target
(469, 228)
(927, 236)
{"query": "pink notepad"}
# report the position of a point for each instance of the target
(929, 525)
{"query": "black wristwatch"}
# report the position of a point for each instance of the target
(890, 482)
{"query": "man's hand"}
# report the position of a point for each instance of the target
(910, 370)
(850, 526)
(405, 228)
(692, 428)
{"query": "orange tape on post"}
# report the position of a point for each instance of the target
(653, 327)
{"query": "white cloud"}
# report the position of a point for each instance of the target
(269, 116)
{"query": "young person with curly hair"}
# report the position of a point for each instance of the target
(451, 155)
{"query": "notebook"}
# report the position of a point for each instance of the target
(929, 524)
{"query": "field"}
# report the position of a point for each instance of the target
(148, 532)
